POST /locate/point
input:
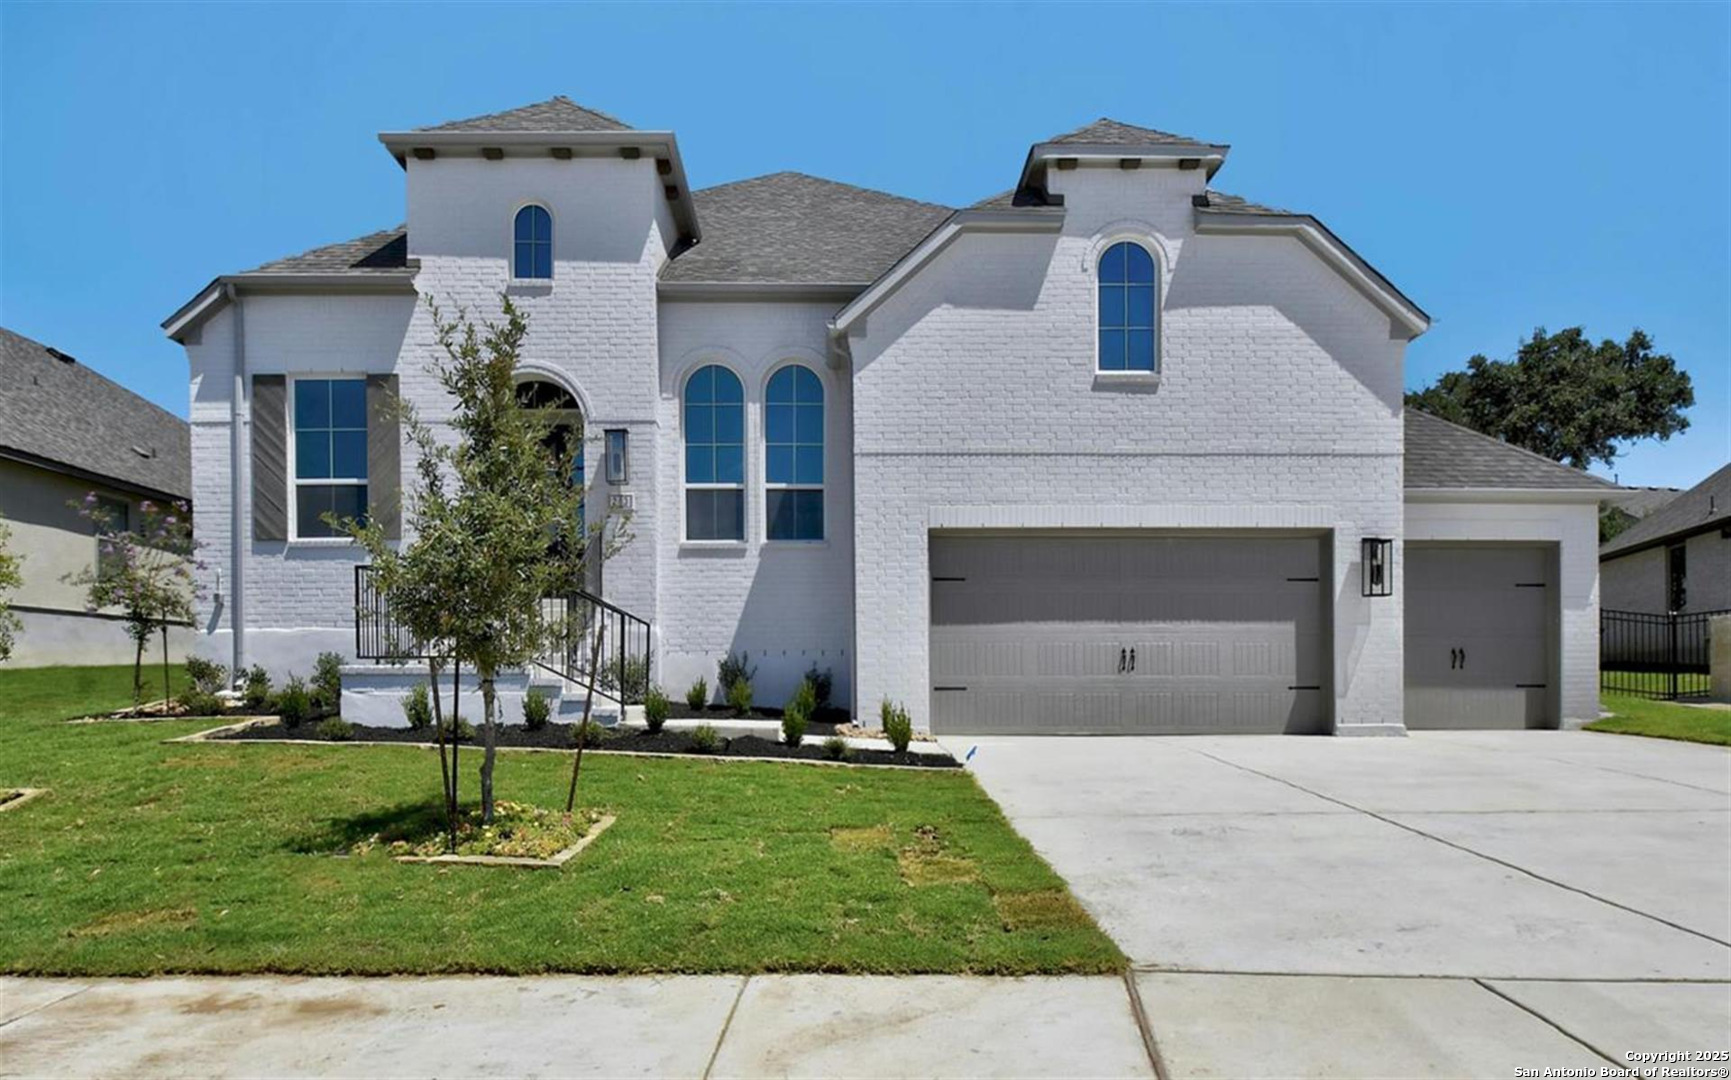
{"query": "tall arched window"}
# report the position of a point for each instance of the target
(793, 454)
(1128, 309)
(533, 255)
(714, 455)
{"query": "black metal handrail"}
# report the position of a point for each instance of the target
(1663, 656)
(576, 625)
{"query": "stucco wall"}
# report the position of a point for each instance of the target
(789, 604)
(1574, 528)
(1279, 399)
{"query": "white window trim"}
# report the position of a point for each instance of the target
(1158, 254)
(290, 469)
(743, 487)
(511, 247)
(823, 488)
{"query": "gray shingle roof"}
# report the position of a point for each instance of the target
(384, 251)
(555, 114)
(1236, 204)
(1703, 506)
(1108, 132)
(788, 227)
(1440, 454)
(61, 411)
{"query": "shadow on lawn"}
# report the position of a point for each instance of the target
(414, 822)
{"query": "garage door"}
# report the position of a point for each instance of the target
(1478, 632)
(1128, 635)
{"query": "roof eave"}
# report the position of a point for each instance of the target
(1665, 539)
(1209, 155)
(760, 290)
(1407, 319)
(1507, 494)
(582, 144)
(1027, 220)
(215, 296)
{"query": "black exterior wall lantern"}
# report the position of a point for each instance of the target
(1376, 566)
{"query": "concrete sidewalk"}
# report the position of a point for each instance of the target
(842, 1026)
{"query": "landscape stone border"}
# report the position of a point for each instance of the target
(19, 796)
(596, 829)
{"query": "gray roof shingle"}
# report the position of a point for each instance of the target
(555, 114)
(1440, 454)
(58, 410)
(384, 251)
(1109, 132)
(1701, 507)
(1237, 204)
(790, 228)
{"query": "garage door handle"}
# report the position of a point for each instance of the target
(1121, 655)
(1132, 660)
(1454, 659)
(1463, 659)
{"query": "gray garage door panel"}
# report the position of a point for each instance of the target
(1110, 635)
(1478, 628)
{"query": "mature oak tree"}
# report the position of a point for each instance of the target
(1566, 398)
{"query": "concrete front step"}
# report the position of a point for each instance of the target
(374, 694)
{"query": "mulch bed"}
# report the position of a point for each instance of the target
(824, 722)
(558, 737)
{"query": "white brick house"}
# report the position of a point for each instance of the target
(1107, 452)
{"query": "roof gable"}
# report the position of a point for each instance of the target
(1109, 132)
(57, 410)
(384, 251)
(1702, 507)
(791, 228)
(558, 113)
(1444, 455)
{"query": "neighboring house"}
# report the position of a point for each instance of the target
(1104, 453)
(1677, 558)
(66, 432)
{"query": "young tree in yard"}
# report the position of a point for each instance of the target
(147, 572)
(496, 522)
(10, 578)
(1566, 398)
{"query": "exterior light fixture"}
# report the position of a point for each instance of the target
(1376, 566)
(618, 456)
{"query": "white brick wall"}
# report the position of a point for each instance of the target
(790, 605)
(1574, 528)
(974, 385)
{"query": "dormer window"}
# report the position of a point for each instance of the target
(1128, 310)
(533, 255)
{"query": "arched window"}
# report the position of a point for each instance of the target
(714, 455)
(533, 257)
(793, 454)
(1128, 310)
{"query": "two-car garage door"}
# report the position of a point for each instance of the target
(1129, 634)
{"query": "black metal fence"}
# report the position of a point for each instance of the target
(1655, 656)
(588, 639)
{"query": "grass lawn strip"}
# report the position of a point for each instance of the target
(1664, 720)
(215, 858)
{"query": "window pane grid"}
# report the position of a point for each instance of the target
(793, 455)
(1127, 309)
(714, 423)
(330, 457)
(532, 236)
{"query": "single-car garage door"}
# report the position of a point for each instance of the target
(1478, 633)
(1128, 634)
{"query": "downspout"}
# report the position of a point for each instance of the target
(237, 519)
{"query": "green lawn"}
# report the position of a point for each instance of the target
(1664, 720)
(1630, 683)
(148, 858)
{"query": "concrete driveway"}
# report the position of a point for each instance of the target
(1277, 893)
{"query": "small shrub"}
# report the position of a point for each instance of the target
(294, 704)
(590, 732)
(536, 710)
(739, 697)
(328, 682)
(822, 682)
(417, 708)
(199, 702)
(655, 709)
(733, 669)
(698, 695)
(465, 730)
(336, 729)
(898, 728)
(628, 675)
(206, 676)
(836, 748)
(705, 739)
(797, 714)
(256, 692)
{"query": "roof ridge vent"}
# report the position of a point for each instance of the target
(146, 453)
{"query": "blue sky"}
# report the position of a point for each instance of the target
(1507, 166)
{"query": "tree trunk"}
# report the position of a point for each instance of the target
(439, 737)
(456, 743)
(489, 741)
(138, 668)
(166, 695)
(588, 704)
